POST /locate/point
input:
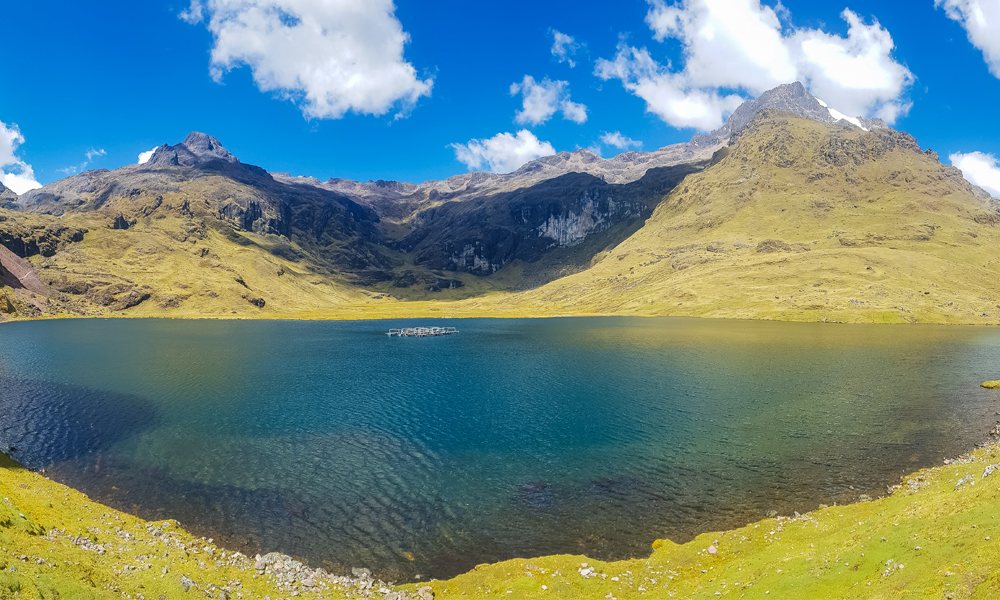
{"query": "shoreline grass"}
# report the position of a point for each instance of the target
(934, 535)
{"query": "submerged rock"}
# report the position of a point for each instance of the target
(537, 494)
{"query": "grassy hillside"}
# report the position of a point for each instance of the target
(797, 221)
(934, 536)
(805, 221)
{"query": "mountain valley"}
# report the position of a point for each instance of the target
(785, 213)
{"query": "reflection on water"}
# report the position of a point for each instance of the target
(516, 438)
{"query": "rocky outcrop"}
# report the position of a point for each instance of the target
(482, 237)
(8, 199)
(870, 147)
(400, 202)
(844, 145)
(26, 239)
(196, 149)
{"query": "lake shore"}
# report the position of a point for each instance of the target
(938, 524)
(934, 534)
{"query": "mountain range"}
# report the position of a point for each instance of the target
(788, 211)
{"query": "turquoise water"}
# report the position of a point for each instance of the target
(334, 443)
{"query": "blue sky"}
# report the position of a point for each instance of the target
(368, 89)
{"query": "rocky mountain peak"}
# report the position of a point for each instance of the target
(197, 148)
(792, 98)
(7, 197)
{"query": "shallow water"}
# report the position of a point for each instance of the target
(428, 456)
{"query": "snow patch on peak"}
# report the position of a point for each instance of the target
(839, 116)
(836, 114)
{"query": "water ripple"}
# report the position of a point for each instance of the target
(515, 438)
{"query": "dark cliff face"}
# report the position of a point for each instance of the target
(482, 236)
(30, 239)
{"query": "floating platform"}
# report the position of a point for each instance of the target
(422, 331)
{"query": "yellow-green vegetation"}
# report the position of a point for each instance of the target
(991, 385)
(805, 222)
(56, 543)
(797, 221)
(936, 535)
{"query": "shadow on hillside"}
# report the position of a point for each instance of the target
(505, 229)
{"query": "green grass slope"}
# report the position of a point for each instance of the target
(805, 221)
(935, 536)
(798, 220)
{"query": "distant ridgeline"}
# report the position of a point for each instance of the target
(789, 211)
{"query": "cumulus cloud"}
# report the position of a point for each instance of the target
(981, 20)
(330, 57)
(543, 99)
(14, 172)
(145, 156)
(620, 141)
(733, 46)
(194, 14)
(564, 47)
(979, 169)
(502, 153)
(668, 95)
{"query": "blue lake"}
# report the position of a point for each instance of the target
(516, 438)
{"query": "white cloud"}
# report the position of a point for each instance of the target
(741, 45)
(980, 169)
(981, 20)
(145, 156)
(543, 99)
(667, 95)
(194, 13)
(563, 47)
(92, 153)
(330, 57)
(14, 172)
(620, 141)
(502, 153)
